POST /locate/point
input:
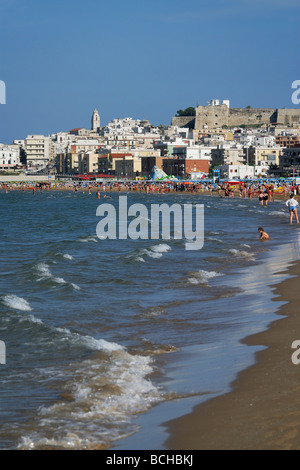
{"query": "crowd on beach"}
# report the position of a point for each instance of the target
(263, 191)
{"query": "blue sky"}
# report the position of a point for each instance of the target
(138, 59)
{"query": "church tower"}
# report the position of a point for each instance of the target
(95, 120)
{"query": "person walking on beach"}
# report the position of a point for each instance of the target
(292, 205)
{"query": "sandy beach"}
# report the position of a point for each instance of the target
(262, 412)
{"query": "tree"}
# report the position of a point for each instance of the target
(187, 112)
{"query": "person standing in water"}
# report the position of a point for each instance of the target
(292, 205)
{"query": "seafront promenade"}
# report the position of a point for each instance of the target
(26, 179)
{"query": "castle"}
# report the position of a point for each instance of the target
(217, 114)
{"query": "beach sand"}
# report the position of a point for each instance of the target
(262, 412)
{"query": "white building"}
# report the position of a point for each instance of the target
(265, 141)
(39, 151)
(9, 156)
(233, 172)
(236, 171)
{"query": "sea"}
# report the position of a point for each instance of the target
(107, 340)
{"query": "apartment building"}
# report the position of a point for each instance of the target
(39, 151)
(290, 159)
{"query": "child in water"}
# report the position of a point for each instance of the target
(263, 234)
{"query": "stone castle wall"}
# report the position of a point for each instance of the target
(288, 116)
(221, 115)
(250, 116)
(183, 121)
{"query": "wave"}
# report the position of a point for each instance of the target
(155, 252)
(281, 213)
(202, 277)
(17, 303)
(64, 255)
(101, 396)
(88, 239)
(241, 254)
(140, 259)
(75, 286)
(67, 256)
(161, 248)
(88, 341)
(45, 274)
(214, 239)
(31, 319)
(154, 312)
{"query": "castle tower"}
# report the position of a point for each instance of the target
(95, 120)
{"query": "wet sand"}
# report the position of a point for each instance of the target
(262, 412)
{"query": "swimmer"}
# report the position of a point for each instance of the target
(263, 234)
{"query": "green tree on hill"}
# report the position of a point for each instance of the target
(187, 112)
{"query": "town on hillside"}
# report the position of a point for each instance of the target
(238, 142)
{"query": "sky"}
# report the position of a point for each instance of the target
(146, 60)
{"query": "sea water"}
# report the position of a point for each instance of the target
(101, 333)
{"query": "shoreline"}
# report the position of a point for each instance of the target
(5, 188)
(261, 412)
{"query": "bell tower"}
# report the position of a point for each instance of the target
(95, 120)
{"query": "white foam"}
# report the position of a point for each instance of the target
(282, 213)
(215, 239)
(45, 274)
(105, 395)
(67, 256)
(44, 271)
(202, 277)
(89, 341)
(104, 345)
(161, 248)
(140, 259)
(32, 319)
(59, 280)
(156, 251)
(88, 239)
(241, 254)
(153, 254)
(17, 303)
(75, 286)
